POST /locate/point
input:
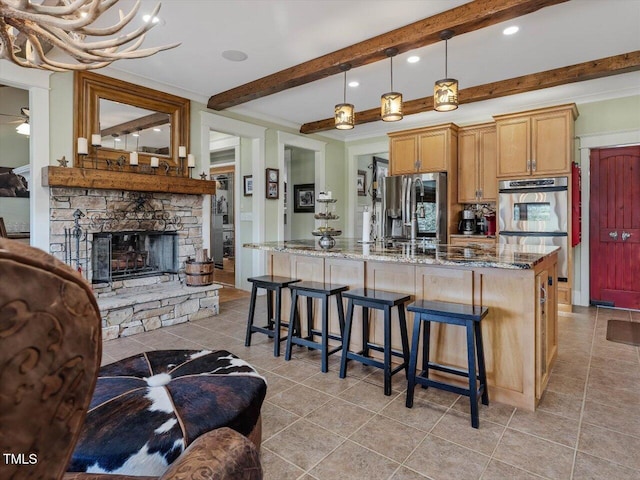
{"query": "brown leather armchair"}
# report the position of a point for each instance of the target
(50, 351)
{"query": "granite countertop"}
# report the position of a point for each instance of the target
(514, 257)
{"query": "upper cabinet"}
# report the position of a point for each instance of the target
(477, 181)
(535, 143)
(423, 150)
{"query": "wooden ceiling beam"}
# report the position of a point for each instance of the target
(463, 19)
(604, 67)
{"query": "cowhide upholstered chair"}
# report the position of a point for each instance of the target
(50, 351)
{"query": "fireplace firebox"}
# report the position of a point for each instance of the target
(122, 255)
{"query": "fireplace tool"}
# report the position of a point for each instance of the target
(73, 239)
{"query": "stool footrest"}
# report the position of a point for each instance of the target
(427, 382)
(380, 348)
(311, 344)
(373, 362)
(332, 336)
(446, 369)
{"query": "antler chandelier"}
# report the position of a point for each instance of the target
(27, 29)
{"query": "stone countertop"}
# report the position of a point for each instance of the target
(514, 257)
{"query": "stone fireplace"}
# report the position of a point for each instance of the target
(124, 255)
(88, 226)
(132, 246)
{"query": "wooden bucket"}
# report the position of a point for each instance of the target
(198, 274)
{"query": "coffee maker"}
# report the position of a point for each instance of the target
(467, 225)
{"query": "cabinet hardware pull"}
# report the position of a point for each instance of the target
(528, 165)
(543, 297)
(625, 235)
(613, 235)
(533, 165)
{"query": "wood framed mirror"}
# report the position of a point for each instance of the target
(128, 118)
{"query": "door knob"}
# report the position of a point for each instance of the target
(625, 235)
(613, 235)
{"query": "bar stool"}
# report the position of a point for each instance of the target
(322, 291)
(452, 314)
(379, 300)
(271, 284)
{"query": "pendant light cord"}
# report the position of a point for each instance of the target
(344, 93)
(391, 59)
(446, 51)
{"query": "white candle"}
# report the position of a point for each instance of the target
(366, 226)
(96, 140)
(83, 148)
(182, 151)
(154, 162)
(133, 158)
(191, 160)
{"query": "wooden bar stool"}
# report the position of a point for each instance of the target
(379, 300)
(273, 285)
(452, 314)
(323, 291)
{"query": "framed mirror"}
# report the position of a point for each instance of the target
(128, 118)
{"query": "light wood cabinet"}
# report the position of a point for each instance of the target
(424, 150)
(546, 329)
(477, 181)
(535, 143)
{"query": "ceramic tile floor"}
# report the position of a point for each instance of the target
(317, 426)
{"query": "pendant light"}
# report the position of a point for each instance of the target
(445, 91)
(343, 113)
(391, 102)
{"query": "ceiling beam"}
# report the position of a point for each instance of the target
(463, 19)
(133, 126)
(604, 67)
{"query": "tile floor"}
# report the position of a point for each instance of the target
(317, 426)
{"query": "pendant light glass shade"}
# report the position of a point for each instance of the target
(445, 95)
(445, 91)
(344, 115)
(391, 102)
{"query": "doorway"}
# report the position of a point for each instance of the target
(615, 227)
(223, 155)
(223, 232)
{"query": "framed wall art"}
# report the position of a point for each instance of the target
(248, 185)
(272, 178)
(304, 198)
(361, 183)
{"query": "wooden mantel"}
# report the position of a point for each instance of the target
(115, 180)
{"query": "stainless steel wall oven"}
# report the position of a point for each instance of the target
(535, 212)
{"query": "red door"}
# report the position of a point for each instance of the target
(614, 234)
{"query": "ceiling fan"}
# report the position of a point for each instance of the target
(23, 120)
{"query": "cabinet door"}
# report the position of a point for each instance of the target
(403, 152)
(468, 167)
(546, 334)
(514, 147)
(551, 149)
(433, 152)
(487, 179)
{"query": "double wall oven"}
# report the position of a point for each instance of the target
(535, 212)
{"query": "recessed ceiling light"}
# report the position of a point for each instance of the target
(157, 130)
(511, 30)
(413, 59)
(117, 140)
(354, 83)
(235, 55)
(135, 134)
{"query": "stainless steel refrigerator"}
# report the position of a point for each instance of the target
(415, 201)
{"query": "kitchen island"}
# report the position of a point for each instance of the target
(518, 284)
